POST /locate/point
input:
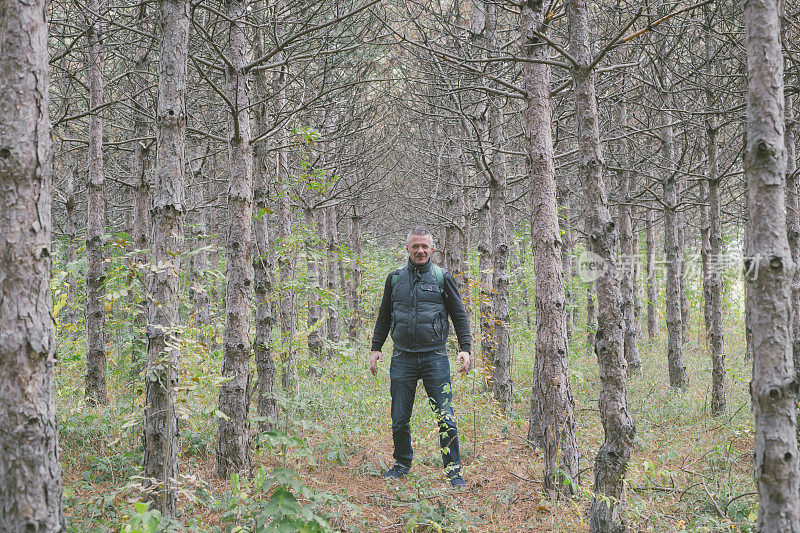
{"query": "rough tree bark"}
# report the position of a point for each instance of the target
(591, 307)
(266, 404)
(70, 314)
(464, 209)
(356, 274)
(96, 392)
(637, 275)
(552, 421)
(140, 228)
(712, 278)
(160, 440)
(289, 378)
(498, 182)
(628, 252)
(233, 438)
(343, 293)
(30, 476)
(748, 304)
(773, 388)
(266, 371)
(477, 30)
(488, 346)
(451, 230)
(673, 255)
(564, 221)
(615, 452)
(201, 301)
(454, 247)
(793, 230)
(652, 289)
(332, 281)
(315, 285)
(591, 316)
(712, 250)
(519, 252)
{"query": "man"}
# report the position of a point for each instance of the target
(417, 300)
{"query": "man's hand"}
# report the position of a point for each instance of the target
(463, 361)
(373, 362)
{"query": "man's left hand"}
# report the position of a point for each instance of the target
(463, 361)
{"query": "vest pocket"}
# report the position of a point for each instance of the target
(438, 326)
(430, 293)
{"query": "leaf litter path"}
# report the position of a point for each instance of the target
(503, 490)
(500, 496)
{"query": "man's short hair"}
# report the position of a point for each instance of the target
(420, 231)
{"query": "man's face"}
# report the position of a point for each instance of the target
(419, 249)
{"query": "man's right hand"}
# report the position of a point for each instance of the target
(373, 362)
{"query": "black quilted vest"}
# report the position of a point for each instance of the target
(419, 315)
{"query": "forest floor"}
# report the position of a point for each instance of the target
(689, 472)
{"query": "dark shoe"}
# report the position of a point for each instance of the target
(456, 481)
(396, 472)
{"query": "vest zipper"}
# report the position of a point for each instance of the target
(414, 286)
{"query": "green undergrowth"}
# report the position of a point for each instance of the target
(317, 468)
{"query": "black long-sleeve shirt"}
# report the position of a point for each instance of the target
(452, 302)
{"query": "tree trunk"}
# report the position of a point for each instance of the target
(712, 252)
(454, 245)
(332, 284)
(773, 388)
(712, 279)
(342, 295)
(501, 377)
(488, 346)
(552, 421)
(673, 255)
(521, 281)
(201, 301)
(450, 244)
(70, 315)
(793, 230)
(30, 476)
(233, 439)
(313, 259)
(464, 209)
(266, 405)
(591, 316)
(637, 274)
(562, 193)
(748, 303)
(478, 29)
(615, 452)
(628, 253)
(356, 275)
(591, 308)
(289, 379)
(96, 392)
(140, 228)
(652, 289)
(682, 255)
(160, 440)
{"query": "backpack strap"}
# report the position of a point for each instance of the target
(395, 276)
(439, 273)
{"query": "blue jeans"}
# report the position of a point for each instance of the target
(433, 368)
